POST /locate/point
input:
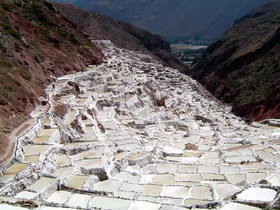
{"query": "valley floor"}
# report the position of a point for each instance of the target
(132, 134)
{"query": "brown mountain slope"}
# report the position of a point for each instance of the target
(35, 43)
(120, 33)
(243, 66)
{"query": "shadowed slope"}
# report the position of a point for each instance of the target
(242, 67)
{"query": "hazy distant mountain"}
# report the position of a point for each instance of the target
(191, 18)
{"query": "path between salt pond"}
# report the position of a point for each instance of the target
(21, 130)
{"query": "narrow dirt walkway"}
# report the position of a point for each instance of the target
(20, 131)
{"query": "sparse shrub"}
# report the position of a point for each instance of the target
(5, 64)
(9, 83)
(14, 80)
(25, 76)
(3, 100)
(5, 6)
(13, 33)
(49, 6)
(37, 59)
(18, 47)
(6, 90)
(241, 73)
(73, 39)
(37, 11)
(252, 87)
(62, 34)
(277, 116)
(18, 3)
(55, 41)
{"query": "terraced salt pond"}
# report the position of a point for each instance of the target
(133, 134)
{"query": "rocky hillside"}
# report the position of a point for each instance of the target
(36, 43)
(242, 67)
(120, 33)
(205, 18)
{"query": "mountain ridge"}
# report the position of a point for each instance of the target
(191, 19)
(242, 67)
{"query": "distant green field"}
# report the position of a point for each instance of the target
(184, 47)
(188, 54)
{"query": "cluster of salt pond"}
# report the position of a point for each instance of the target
(138, 135)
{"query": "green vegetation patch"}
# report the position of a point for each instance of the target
(5, 6)
(5, 64)
(55, 41)
(73, 39)
(188, 53)
(255, 82)
(22, 73)
(13, 33)
(37, 11)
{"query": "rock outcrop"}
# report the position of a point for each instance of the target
(242, 68)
